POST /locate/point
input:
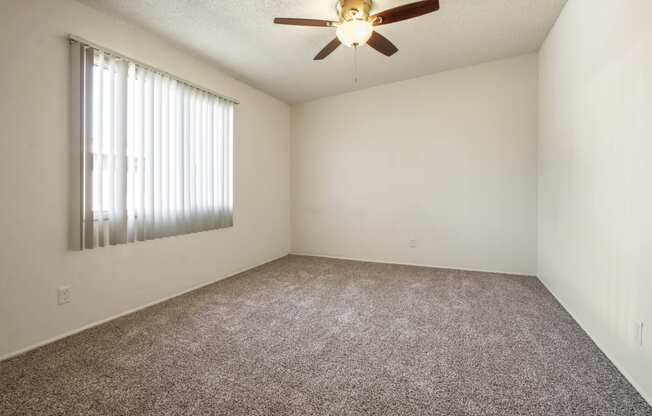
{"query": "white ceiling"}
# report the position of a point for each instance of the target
(239, 36)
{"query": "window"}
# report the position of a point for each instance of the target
(157, 153)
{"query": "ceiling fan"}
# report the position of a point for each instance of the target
(356, 26)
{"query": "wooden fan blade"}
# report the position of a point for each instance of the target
(407, 11)
(303, 22)
(332, 45)
(382, 44)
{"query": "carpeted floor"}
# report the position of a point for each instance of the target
(313, 336)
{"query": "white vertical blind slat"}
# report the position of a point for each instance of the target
(119, 232)
(149, 157)
(109, 152)
(99, 149)
(131, 156)
(223, 156)
(86, 106)
(210, 163)
(228, 161)
(140, 121)
(165, 157)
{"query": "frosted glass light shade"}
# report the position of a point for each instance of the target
(354, 32)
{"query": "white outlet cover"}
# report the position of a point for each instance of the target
(412, 243)
(63, 295)
(638, 333)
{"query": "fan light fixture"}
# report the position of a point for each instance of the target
(354, 32)
(356, 24)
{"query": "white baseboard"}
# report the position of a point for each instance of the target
(432, 266)
(130, 311)
(610, 356)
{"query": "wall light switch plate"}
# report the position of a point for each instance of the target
(412, 243)
(64, 295)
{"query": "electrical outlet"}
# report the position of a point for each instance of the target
(412, 243)
(64, 295)
(639, 333)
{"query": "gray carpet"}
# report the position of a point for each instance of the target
(312, 336)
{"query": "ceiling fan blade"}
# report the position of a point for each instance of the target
(303, 22)
(382, 44)
(332, 45)
(407, 11)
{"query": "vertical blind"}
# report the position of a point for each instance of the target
(157, 153)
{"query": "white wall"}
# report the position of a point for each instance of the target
(35, 166)
(448, 160)
(595, 175)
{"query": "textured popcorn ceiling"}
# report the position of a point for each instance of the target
(238, 35)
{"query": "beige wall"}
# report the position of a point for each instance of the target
(595, 175)
(448, 160)
(35, 163)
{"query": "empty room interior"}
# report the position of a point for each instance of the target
(326, 207)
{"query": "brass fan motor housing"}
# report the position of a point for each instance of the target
(353, 9)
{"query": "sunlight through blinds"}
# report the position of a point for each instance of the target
(157, 153)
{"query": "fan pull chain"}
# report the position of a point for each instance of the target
(355, 63)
